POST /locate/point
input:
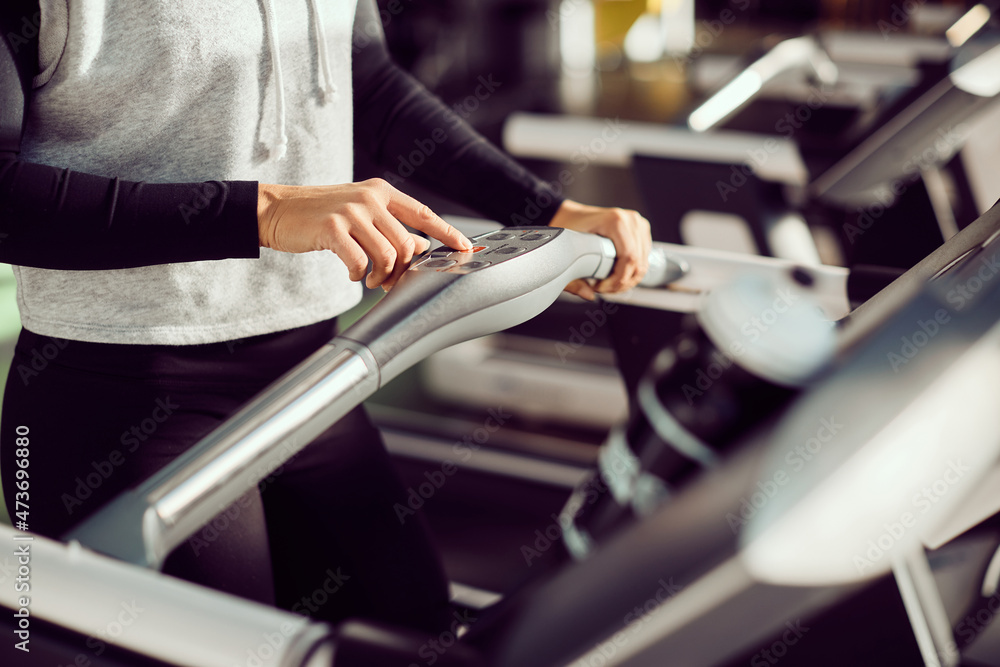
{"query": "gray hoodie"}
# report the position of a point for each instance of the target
(189, 91)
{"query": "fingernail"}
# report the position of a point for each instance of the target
(468, 243)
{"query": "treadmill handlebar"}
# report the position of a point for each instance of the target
(445, 297)
(804, 52)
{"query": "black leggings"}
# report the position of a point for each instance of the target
(318, 536)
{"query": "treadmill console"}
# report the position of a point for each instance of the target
(487, 249)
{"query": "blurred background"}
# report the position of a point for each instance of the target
(641, 104)
(738, 124)
(656, 60)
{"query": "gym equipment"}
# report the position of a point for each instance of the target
(766, 537)
(716, 593)
(787, 55)
(445, 297)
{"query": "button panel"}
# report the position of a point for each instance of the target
(488, 249)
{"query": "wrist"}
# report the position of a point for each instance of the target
(267, 197)
(567, 212)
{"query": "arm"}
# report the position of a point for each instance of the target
(59, 219)
(392, 111)
(395, 115)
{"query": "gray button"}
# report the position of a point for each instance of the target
(438, 264)
(502, 236)
(472, 266)
(509, 250)
(535, 236)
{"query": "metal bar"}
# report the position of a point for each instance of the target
(707, 269)
(563, 138)
(925, 609)
(143, 526)
(165, 618)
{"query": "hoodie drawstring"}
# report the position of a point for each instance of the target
(327, 87)
(279, 88)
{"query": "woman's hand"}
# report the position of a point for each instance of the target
(627, 229)
(354, 220)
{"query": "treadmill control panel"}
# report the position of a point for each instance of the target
(487, 249)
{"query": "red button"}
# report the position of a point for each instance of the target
(475, 248)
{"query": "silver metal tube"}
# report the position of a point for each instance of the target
(555, 137)
(691, 272)
(165, 618)
(791, 54)
(192, 489)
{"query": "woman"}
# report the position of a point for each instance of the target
(165, 277)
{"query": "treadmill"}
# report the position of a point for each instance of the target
(717, 595)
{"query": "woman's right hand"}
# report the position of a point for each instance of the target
(357, 221)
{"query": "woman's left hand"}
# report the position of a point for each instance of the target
(627, 229)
